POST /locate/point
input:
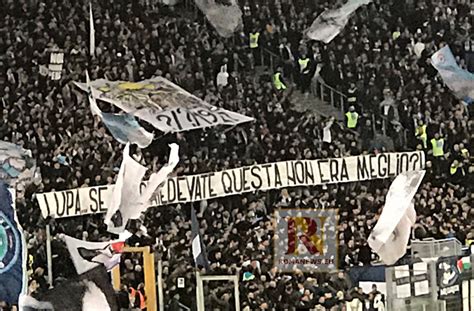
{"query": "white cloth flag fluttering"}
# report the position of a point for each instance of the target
(126, 196)
(389, 238)
(331, 22)
(126, 202)
(157, 179)
(224, 15)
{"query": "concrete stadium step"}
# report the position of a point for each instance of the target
(314, 104)
(302, 103)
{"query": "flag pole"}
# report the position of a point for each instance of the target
(199, 292)
(49, 255)
(161, 303)
(91, 32)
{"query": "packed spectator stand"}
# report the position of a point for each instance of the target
(376, 61)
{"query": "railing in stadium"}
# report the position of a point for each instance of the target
(327, 93)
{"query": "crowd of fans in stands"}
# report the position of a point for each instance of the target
(381, 59)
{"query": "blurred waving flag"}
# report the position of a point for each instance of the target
(460, 81)
(12, 250)
(224, 15)
(157, 179)
(331, 22)
(389, 238)
(123, 127)
(125, 202)
(88, 255)
(199, 250)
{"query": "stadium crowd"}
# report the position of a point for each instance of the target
(381, 61)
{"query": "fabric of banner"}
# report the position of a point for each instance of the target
(331, 22)
(125, 199)
(259, 177)
(460, 81)
(389, 238)
(163, 104)
(12, 250)
(123, 127)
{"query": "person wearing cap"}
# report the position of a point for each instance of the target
(351, 118)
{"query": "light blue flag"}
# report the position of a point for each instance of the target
(125, 128)
(12, 251)
(460, 81)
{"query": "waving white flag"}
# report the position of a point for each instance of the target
(331, 22)
(157, 179)
(389, 239)
(126, 196)
(126, 202)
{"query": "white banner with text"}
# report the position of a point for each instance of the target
(259, 177)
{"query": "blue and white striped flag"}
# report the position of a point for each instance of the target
(460, 81)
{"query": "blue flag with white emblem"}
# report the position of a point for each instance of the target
(12, 250)
(460, 81)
